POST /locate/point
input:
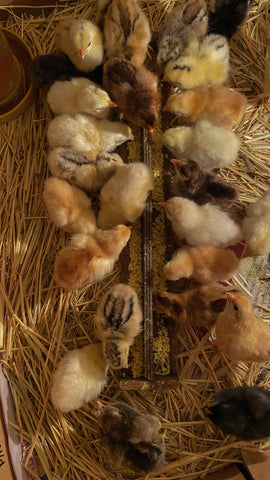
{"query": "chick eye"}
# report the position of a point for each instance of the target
(235, 308)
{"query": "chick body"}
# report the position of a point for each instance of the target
(88, 259)
(79, 95)
(78, 170)
(240, 334)
(201, 224)
(256, 227)
(80, 376)
(211, 146)
(81, 40)
(123, 197)
(219, 105)
(132, 437)
(204, 264)
(68, 207)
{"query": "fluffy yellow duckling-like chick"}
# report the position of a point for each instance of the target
(240, 334)
(118, 320)
(256, 227)
(89, 258)
(87, 134)
(185, 22)
(79, 95)
(201, 224)
(78, 170)
(68, 207)
(204, 264)
(81, 40)
(202, 64)
(219, 105)
(126, 31)
(123, 197)
(210, 146)
(80, 376)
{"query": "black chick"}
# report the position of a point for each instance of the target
(243, 412)
(227, 17)
(132, 437)
(46, 69)
(191, 181)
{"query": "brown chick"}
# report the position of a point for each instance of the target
(198, 307)
(68, 207)
(126, 31)
(219, 105)
(240, 334)
(204, 264)
(132, 437)
(88, 259)
(135, 90)
(192, 181)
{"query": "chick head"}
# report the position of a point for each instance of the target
(177, 208)
(114, 240)
(182, 72)
(238, 307)
(116, 352)
(190, 172)
(96, 99)
(114, 422)
(82, 33)
(177, 139)
(108, 161)
(145, 106)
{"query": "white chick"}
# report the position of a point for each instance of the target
(123, 197)
(210, 146)
(256, 227)
(80, 376)
(81, 40)
(68, 207)
(87, 134)
(118, 320)
(79, 95)
(201, 224)
(78, 170)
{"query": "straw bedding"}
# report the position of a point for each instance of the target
(41, 322)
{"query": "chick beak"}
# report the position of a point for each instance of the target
(150, 130)
(82, 53)
(129, 227)
(112, 104)
(175, 161)
(163, 204)
(230, 297)
(99, 404)
(131, 136)
(165, 108)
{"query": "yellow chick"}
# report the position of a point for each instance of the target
(87, 134)
(78, 170)
(201, 224)
(79, 378)
(68, 207)
(256, 227)
(219, 105)
(240, 334)
(118, 320)
(81, 40)
(202, 64)
(123, 197)
(79, 95)
(88, 259)
(210, 146)
(126, 31)
(204, 264)
(186, 22)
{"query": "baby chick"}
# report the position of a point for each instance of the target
(240, 334)
(219, 105)
(243, 412)
(81, 40)
(227, 16)
(211, 146)
(202, 65)
(201, 224)
(118, 320)
(46, 69)
(123, 197)
(68, 207)
(132, 437)
(88, 259)
(87, 134)
(78, 170)
(198, 306)
(184, 23)
(80, 376)
(191, 181)
(126, 31)
(203, 264)
(256, 227)
(79, 95)
(135, 90)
